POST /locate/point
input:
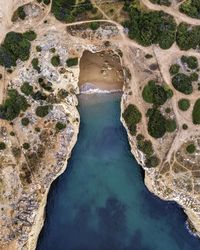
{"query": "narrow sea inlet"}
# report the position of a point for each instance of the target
(101, 202)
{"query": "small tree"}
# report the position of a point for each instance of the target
(2, 146)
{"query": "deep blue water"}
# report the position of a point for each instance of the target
(100, 202)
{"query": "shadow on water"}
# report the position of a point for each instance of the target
(101, 202)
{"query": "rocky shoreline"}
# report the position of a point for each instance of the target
(40, 218)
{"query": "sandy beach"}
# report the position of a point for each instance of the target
(102, 69)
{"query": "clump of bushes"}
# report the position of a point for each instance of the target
(46, 86)
(94, 25)
(19, 13)
(174, 69)
(55, 61)
(72, 62)
(38, 48)
(194, 77)
(132, 116)
(60, 126)
(191, 8)
(191, 148)
(43, 111)
(156, 123)
(26, 89)
(188, 37)
(26, 146)
(155, 94)
(152, 27)
(170, 125)
(144, 145)
(35, 64)
(185, 126)
(183, 104)
(25, 121)
(38, 95)
(190, 61)
(196, 112)
(2, 145)
(152, 161)
(30, 35)
(13, 105)
(67, 11)
(182, 83)
(148, 56)
(15, 46)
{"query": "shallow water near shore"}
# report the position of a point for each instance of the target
(101, 202)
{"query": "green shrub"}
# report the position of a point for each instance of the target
(155, 94)
(55, 61)
(60, 126)
(182, 83)
(145, 146)
(191, 148)
(183, 104)
(174, 69)
(26, 89)
(39, 96)
(18, 45)
(196, 112)
(72, 62)
(15, 46)
(188, 37)
(194, 77)
(26, 146)
(38, 48)
(35, 63)
(2, 145)
(20, 13)
(148, 56)
(25, 121)
(37, 129)
(30, 35)
(12, 133)
(156, 124)
(152, 162)
(12, 106)
(94, 26)
(190, 61)
(7, 59)
(185, 126)
(47, 2)
(170, 125)
(66, 11)
(150, 27)
(167, 110)
(62, 10)
(43, 111)
(46, 86)
(132, 116)
(191, 8)
(169, 92)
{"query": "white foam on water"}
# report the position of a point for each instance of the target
(90, 88)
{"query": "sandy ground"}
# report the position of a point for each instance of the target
(101, 69)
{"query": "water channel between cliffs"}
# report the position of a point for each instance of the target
(100, 202)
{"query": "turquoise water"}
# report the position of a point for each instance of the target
(100, 202)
